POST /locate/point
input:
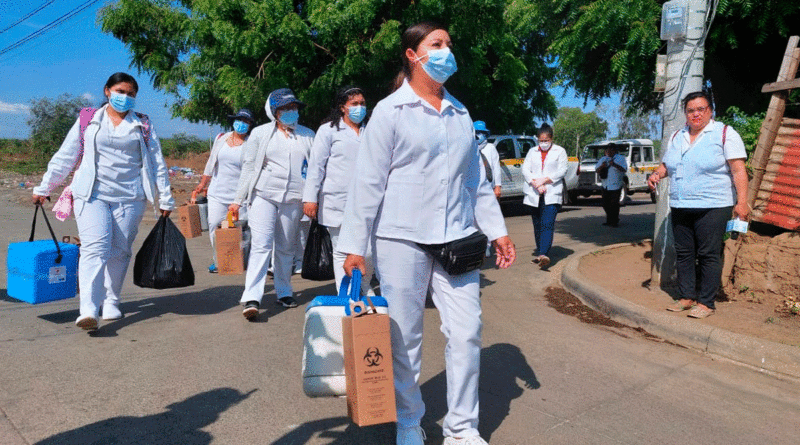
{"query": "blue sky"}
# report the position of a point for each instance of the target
(75, 57)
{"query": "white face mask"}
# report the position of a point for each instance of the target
(545, 145)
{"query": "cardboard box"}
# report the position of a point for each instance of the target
(367, 346)
(189, 221)
(230, 256)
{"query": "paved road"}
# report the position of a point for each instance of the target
(184, 367)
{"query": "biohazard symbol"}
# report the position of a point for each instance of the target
(373, 357)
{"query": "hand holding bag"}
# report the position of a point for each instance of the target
(318, 256)
(323, 353)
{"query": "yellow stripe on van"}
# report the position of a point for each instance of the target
(512, 161)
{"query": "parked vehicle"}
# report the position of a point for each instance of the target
(512, 149)
(641, 161)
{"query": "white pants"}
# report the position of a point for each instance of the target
(406, 274)
(107, 231)
(302, 238)
(217, 212)
(338, 263)
(270, 222)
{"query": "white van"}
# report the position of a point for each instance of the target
(641, 161)
(512, 149)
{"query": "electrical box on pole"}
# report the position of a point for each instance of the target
(675, 20)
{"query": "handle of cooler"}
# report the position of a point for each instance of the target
(49, 227)
(356, 306)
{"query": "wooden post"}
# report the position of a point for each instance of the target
(772, 121)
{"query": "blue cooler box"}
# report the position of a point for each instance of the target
(35, 277)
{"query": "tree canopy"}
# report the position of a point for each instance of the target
(214, 57)
(606, 45)
(573, 129)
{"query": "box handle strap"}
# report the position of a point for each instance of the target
(33, 230)
(356, 306)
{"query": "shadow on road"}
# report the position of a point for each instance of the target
(182, 423)
(502, 365)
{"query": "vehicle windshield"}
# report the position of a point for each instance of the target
(593, 153)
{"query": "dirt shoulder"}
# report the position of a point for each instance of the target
(625, 272)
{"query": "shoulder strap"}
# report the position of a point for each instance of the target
(84, 117)
(145, 127)
(724, 131)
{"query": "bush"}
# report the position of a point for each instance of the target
(181, 145)
(748, 127)
(51, 120)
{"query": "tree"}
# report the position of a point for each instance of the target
(605, 45)
(214, 57)
(51, 120)
(573, 129)
(634, 124)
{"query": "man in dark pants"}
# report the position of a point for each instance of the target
(611, 169)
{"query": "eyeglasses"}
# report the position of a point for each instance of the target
(701, 110)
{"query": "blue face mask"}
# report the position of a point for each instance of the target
(121, 102)
(240, 127)
(481, 137)
(357, 113)
(441, 64)
(289, 117)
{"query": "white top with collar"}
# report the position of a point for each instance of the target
(418, 177)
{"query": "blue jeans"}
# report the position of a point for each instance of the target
(544, 224)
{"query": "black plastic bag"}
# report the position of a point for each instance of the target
(163, 261)
(318, 256)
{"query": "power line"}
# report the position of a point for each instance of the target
(48, 27)
(28, 15)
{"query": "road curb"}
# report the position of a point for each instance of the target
(761, 354)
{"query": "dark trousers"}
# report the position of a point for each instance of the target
(611, 205)
(544, 224)
(698, 240)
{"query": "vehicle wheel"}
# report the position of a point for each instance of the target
(623, 197)
(653, 196)
(572, 197)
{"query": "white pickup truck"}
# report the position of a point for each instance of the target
(641, 163)
(512, 149)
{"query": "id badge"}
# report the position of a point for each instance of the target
(679, 171)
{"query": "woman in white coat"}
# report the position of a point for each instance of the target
(272, 184)
(331, 169)
(120, 167)
(543, 169)
(418, 181)
(221, 175)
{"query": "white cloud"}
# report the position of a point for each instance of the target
(88, 96)
(8, 108)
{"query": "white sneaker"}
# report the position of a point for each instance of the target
(111, 311)
(86, 322)
(413, 435)
(474, 440)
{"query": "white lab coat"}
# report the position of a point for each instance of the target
(330, 170)
(257, 150)
(154, 169)
(555, 168)
(418, 177)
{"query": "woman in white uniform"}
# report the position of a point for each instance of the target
(418, 181)
(221, 175)
(272, 184)
(120, 167)
(332, 166)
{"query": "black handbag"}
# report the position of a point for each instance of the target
(461, 255)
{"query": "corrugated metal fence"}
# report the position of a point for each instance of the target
(778, 199)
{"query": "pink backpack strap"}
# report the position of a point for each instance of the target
(724, 131)
(146, 129)
(84, 117)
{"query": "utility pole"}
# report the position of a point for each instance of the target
(685, 57)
